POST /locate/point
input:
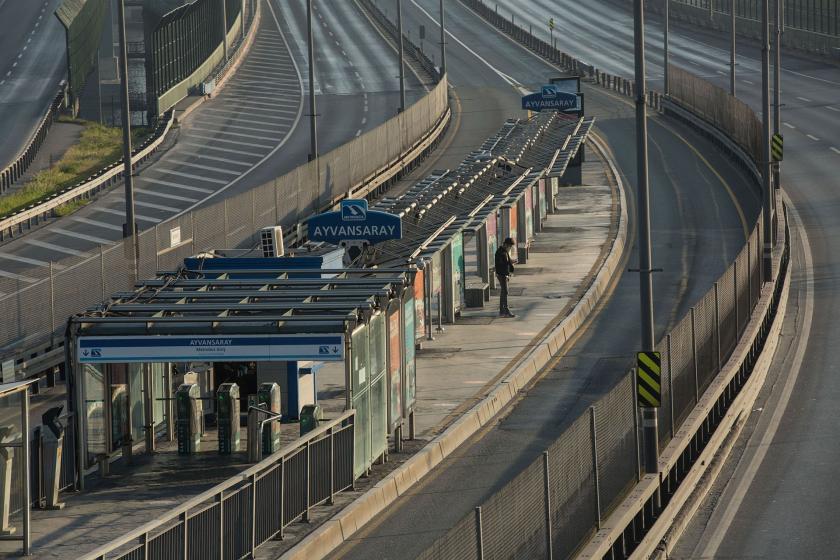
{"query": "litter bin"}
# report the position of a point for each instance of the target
(52, 438)
(310, 418)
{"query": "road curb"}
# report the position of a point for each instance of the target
(335, 531)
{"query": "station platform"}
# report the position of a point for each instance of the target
(455, 370)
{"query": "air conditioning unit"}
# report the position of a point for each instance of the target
(271, 241)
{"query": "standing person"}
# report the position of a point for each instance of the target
(504, 269)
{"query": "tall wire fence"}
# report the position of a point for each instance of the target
(35, 313)
(566, 493)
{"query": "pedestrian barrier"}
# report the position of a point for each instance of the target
(232, 519)
(552, 507)
(21, 163)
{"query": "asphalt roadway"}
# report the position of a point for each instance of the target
(778, 497)
(32, 63)
(253, 131)
(701, 206)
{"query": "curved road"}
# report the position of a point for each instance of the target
(253, 131)
(32, 63)
(697, 230)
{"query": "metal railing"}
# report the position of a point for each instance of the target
(45, 208)
(561, 498)
(24, 159)
(364, 164)
(232, 519)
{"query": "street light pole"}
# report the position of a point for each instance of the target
(130, 226)
(732, 48)
(442, 42)
(777, 85)
(401, 55)
(313, 130)
(765, 140)
(665, 45)
(643, 204)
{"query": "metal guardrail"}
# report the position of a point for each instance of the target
(562, 498)
(24, 159)
(232, 519)
(45, 208)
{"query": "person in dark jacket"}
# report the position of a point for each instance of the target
(504, 269)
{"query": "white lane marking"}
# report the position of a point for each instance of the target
(762, 447)
(265, 117)
(20, 277)
(154, 206)
(835, 109)
(192, 176)
(282, 142)
(812, 137)
(176, 185)
(215, 158)
(96, 223)
(237, 142)
(749, 83)
(805, 99)
(121, 213)
(228, 150)
(205, 167)
(226, 120)
(27, 260)
(229, 124)
(788, 125)
(256, 87)
(247, 103)
(56, 248)
(358, 133)
(835, 150)
(228, 133)
(85, 237)
(498, 72)
(165, 195)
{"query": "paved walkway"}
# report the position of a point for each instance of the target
(454, 370)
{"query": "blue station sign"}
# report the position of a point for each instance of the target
(354, 222)
(551, 97)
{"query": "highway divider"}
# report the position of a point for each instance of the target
(24, 159)
(347, 522)
(723, 346)
(365, 166)
(24, 219)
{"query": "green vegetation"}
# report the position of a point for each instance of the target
(98, 146)
(70, 207)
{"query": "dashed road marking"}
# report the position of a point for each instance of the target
(116, 212)
(228, 133)
(27, 260)
(229, 124)
(812, 137)
(220, 149)
(264, 117)
(805, 99)
(56, 248)
(20, 277)
(835, 109)
(96, 223)
(175, 185)
(216, 158)
(835, 150)
(165, 195)
(749, 83)
(226, 120)
(788, 125)
(85, 237)
(190, 176)
(205, 167)
(154, 206)
(226, 141)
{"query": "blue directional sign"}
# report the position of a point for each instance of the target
(354, 222)
(551, 97)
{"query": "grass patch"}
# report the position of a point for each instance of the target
(70, 207)
(98, 146)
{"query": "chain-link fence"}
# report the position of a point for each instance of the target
(35, 313)
(589, 468)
